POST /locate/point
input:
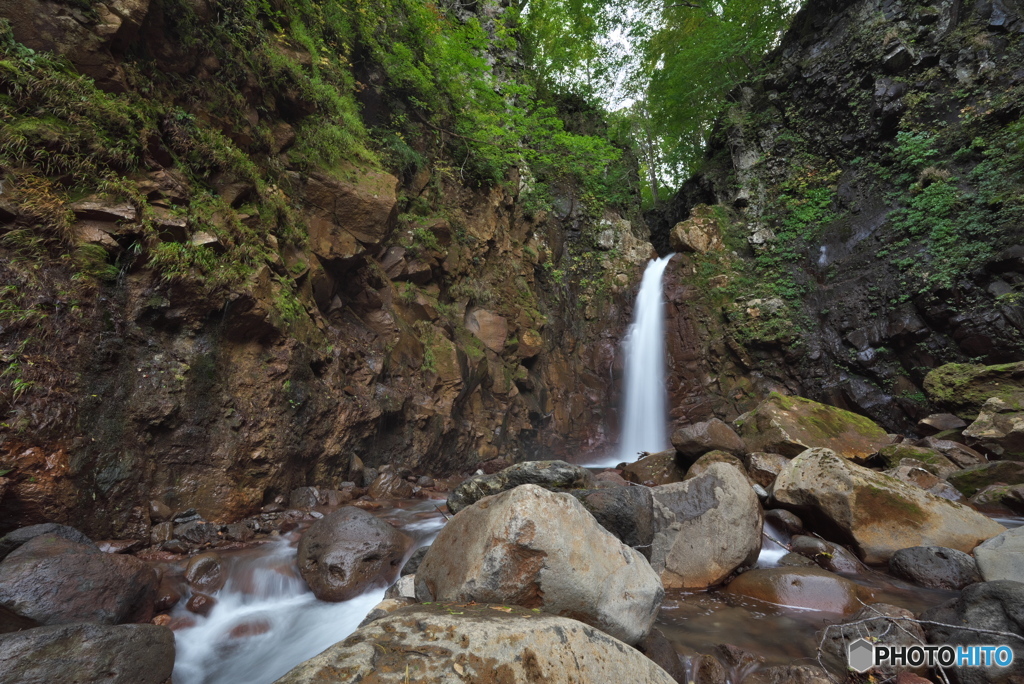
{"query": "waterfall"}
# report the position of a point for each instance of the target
(644, 411)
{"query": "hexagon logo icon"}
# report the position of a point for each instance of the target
(860, 655)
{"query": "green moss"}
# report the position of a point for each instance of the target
(963, 388)
(827, 421)
(885, 504)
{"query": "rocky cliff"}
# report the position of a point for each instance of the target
(214, 291)
(857, 219)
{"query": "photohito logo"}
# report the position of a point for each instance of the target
(862, 655)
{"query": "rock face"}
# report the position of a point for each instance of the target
(811, 588)
(349, 216)
(456, 643)
(789, 425)
(699, 233)
(995, 606)
(999, 429)
(122, 654)
(878, 514)
(545, 473)
(964, 388)
(706, 528)
(346, 552)
(709, 435)
(1002, 557)
(936, 567)
(539, 549)
(52, 580)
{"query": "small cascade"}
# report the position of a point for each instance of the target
(645, 411)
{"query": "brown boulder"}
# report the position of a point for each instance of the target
(52, 580)
(654, 469)
(809, 588)
(699, 233)
(346, 216)
(348, 551)
(763, 467)
(998, 430)
(489, 328)
(709, 435)
(701, 464)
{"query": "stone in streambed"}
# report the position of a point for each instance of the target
(121, 654)
(52, 580)
(895, 455)
(701, 464)
(919, 477)
(763, 468)
(789, 674)
(880, 623)
(655, 469)
(999, 430)
(809, 588)
(827, 555)
(698, 439)
(877, 513)
(204, 572)
(1009, 497)
(963, 388)
(971, 480)
(453, 643)
(348, 551)
(552, 474)
(935, 567)
(1002, 557)
(15, 539)
(706, 528)
(790, 425)
(626, 512)
(540, 549)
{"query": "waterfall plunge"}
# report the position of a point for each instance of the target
(645, 413)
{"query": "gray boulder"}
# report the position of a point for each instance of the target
(539, 549)
(706, 528)
(346, 552)
(626, 512)
(14, 539)
(935, 567)
(456, 643)
(877, 624)
(998, 430)
(551, 474)
(1002, 557)
(120, 654)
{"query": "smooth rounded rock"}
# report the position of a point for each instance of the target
(655, 469)
(539, 549)
(457, 643)
(710, 435)
(880, 623)
(807, 588)
(935, 567)
(827, 555)
(346, 552)
(1002, 557)
(204, 572)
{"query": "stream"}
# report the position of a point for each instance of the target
(266, 621)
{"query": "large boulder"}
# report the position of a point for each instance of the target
(997, 606)
(554, 474)
(931, 460)
(808, 588)
(697, 439)
(699, 233)
(962, 388)
(52, 580)
(346, 217)
(880, 623)
(706, 528)
(15, 539)
(959, 454)
(112, 654)
(878, 514)
(655, 469)
(701, 465)
(971, 480)
(540, 549)
(1002, 557)
(999, 430)
(456, 643)
(789, 425)
(916, 475)
(348, 551)
(626, 512)
(936, 567)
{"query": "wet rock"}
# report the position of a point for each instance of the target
(701, 465)
(940, 422)
(452, 643)
(346, 552)
(121, 654)
(710, 435)
(789, 425)
(763, 467)
(932, 460)
(540, 549)
(655, 469)
(877, 513)
(424, 481)
(390, 485)
(489, 328)
(119, 545)
(167, 594)
(707, 670)
(962, 389)
(414, 561)
(879, 623)
(1008, 497)
(789, 674)
(545, 473)
(809, 588)
(626, 512)
(784, 520)
(827, 555)
(998, 430)
(660, 650)
(205, 572)
(15, 539)
(304, 497)
(386, 607)
(795, 560)
(970, 480)
(159, 511)
(200, 604)
(998, 606)
(175, 546)
(929, 482)
(238, 532)
(705, 528)
(935, 567)
(197, 533)
(735, 658)
(1002, 557)
(52, 580)
(161, 532)
(611, 477)
(405, 587)
(960, 455)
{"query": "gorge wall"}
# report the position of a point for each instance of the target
(211, 295)
(857, 219)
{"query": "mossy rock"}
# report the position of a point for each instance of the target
(790, 425)
(962, 388)
(933, 461)
(969, 480)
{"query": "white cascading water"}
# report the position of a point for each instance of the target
(645, 412)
